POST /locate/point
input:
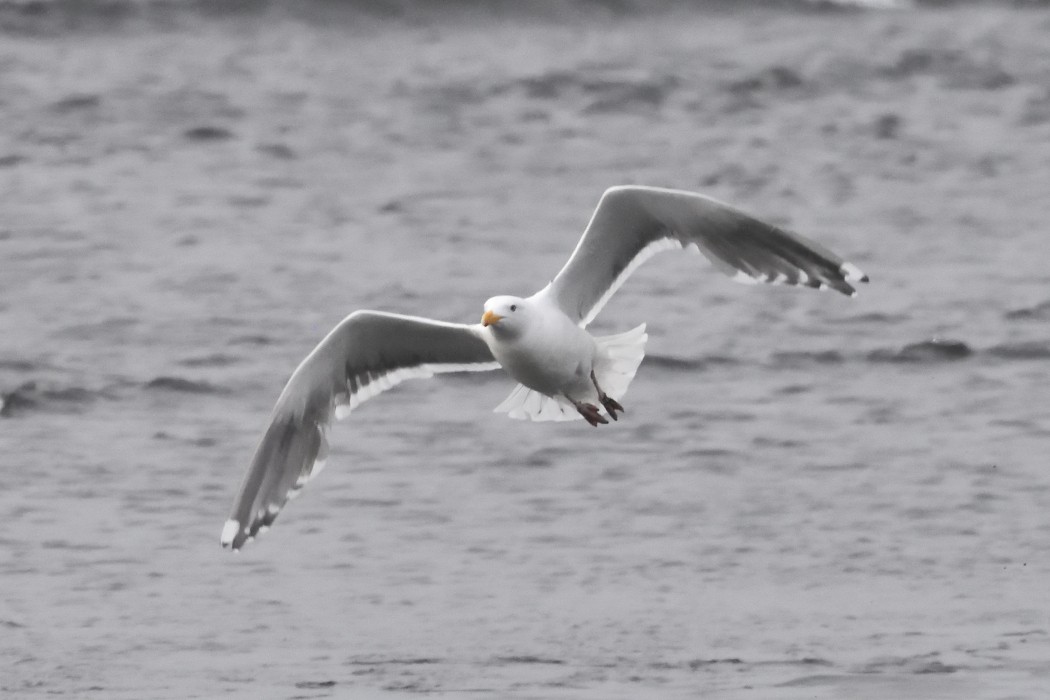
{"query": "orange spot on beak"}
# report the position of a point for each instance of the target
(489, 318)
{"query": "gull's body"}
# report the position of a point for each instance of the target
(563, 371)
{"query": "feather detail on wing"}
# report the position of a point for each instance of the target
(366, 354)
(632, 223)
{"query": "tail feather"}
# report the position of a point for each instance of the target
(526, 404)
(618, 359)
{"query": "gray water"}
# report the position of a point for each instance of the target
(809, 496)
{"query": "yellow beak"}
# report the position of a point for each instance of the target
(489, 318)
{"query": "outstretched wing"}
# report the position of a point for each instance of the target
(632, 223)
(367, 353)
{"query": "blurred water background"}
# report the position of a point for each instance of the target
(809, 496)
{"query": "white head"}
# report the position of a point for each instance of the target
(505, 315)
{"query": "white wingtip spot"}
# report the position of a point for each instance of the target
(229, 531)
(851, 272)
(342, 411)
(743, 278)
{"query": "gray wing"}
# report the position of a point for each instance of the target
(367, 353)
(632, 223)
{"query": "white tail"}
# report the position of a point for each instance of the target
(618, 360)
(616, 365)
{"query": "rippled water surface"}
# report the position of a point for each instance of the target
(809, 496)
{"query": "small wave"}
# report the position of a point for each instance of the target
(1021, 351)
(257, 339)
(409, 661)
(773, 78)
(17, 400)
(936, 667)
(817, 357)
(75, 103)
(247, 201)
(528, 659)
(19, 365)
(214, 360)
(707, 452)
(114, 329)
(669, 362)
(621, 96)
(920, 664)
(549, 85)
(697, 664)
(184, 385)
(958, 69)
(804, 661)
(874, 317)
(73, 394)
(366, 503)
(208, 133)
(933, 350)
(763, 441)
(1039, 312)
(73, 546)
(29, 396)
(10, 160)
(279, 151)
(603, 93)
(673, 363)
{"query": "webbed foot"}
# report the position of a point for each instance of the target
(591, 414)
(611, 405)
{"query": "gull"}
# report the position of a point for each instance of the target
(563, 372)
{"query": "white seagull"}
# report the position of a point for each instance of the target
(563, 371)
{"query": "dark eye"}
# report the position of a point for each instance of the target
(513, 307)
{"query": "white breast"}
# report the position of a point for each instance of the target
(550, 355)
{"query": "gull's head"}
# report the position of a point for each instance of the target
(504, 314)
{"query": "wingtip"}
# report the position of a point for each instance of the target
(229, 534)
(852, 273)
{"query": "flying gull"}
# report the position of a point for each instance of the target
(563, 371)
